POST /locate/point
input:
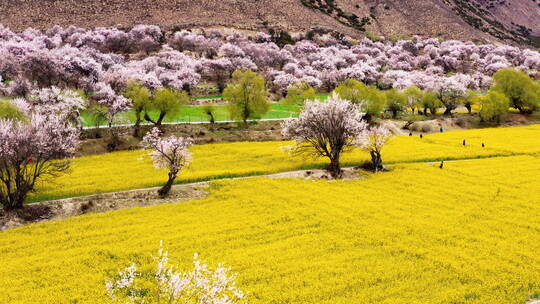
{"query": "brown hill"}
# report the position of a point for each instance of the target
(510, 20)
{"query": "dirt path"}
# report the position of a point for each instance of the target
(69, 207)
(64, 208)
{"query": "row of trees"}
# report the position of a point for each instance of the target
(37, 136)
(91, 60)
(38, 140)
(511, 88)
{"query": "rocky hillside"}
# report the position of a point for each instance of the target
(515, 21)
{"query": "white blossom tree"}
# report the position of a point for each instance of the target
(372, 140)
(169, 153)
(201, 285)
(326, 129)
(106, 96)
(54, 101)
(30, 151)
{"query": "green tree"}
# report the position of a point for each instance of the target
(210, 111)
(140, 97)
(523, 92)
(358, 93)
(351, 90)
(472, 98)
(375, 102)
(494, 105)
(10, 111)
(247, 96)
(166, 102)
(396, 101)
(299, 93)
(414, 95)
(430, 101)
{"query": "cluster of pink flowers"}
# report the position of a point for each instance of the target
(90, 59)
(32, 149)
(80, 58)
(168, 153)
(320, 119)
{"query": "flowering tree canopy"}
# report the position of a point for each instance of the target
(169, 153)
(30, 151)
(326, 129)
(54, 101)
(106, 96)
(449, 91)
(372, 141)
(200, 285)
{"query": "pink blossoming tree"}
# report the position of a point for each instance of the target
(326, 129)
(169, 153)
(30, 151)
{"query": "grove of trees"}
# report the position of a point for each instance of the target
(51, 77)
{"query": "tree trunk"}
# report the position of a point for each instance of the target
(469, 108)
(367, 118)
(15, 200)
(112, 134)
(394, 114)
(160, 119)
(425, 111)
(221, 86)
(376, 159)
(164, 191)
(147, 118)
(334, 168)
(16, 205)
(137, 127)
(448, 111)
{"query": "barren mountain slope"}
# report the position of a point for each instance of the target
(20, 14)
(517, 20)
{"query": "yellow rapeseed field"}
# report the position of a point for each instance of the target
(131, 170)
(469, 233)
